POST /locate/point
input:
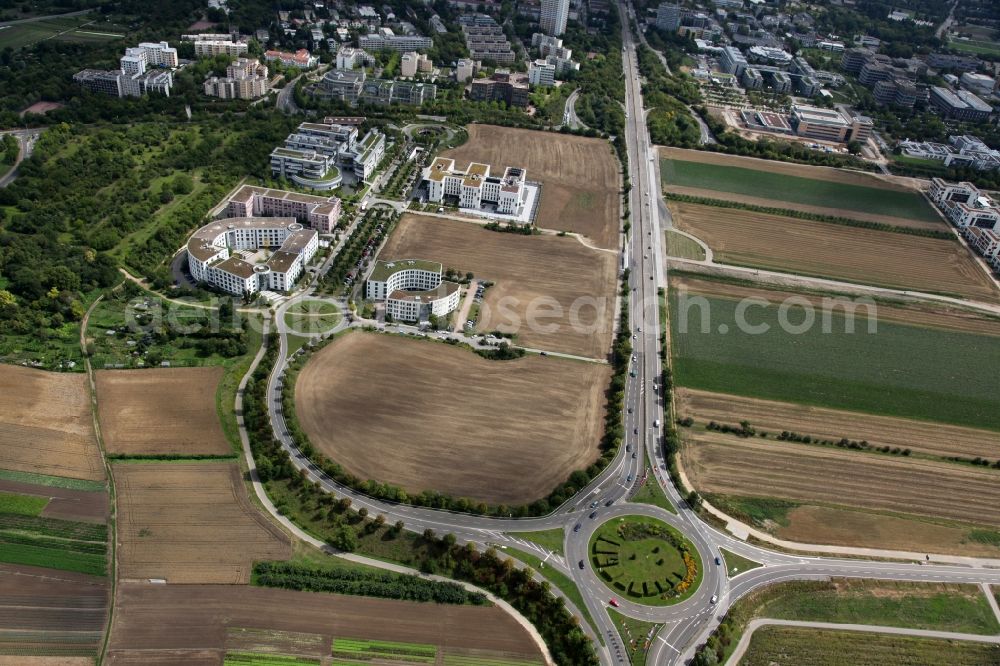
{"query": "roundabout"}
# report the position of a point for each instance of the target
(645, 560)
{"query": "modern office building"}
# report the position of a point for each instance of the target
(542, 73)
(668, 17)
(412, 289)
(503, 86)
(343, 85)
(320, 213)
(226, 254)
(553, 17)
(475, 187)
(101, 81)
(978, 84)
(134, 78)
(352, 86)
(732, 61)
(829, 124)
(961, 105)
(209, 48)
(385, 39)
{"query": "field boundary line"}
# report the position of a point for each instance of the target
(753, 625)
(300, 534)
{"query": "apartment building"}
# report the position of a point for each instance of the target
(349, 57)
(961, 150)
(220, 253)
(465, 69)
(542, 73)
(301, 58)
(554, 14)
(413, 62)
(320, 213)
(212, 47)
(412, 289)
(974, 213)
(475, 187)
(385, 39)
(486, 39)
(134, 78)
(245, 79)
(502, 86)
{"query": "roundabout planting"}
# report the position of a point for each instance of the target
(645, 560)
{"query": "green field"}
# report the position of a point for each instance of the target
(54, 544)
(368, 650)
(858, 371)
(737, 564)
(679, 245)
(635, 633)
(644, 560)
(794, 646)
(975, 46)
(22, 505)
(311, 316)
(261, 659)
(73, 28)
(793, 189)
(51, 481)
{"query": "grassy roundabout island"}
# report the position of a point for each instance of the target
(645, 560)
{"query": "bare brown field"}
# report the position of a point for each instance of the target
(580, 176)
(83, 505)
(920, 436)
(830, 174)
(177, 621)
(429, 416)
(46, 426)
(21, 660)
(805, 208)
(718, 463)
(42, 610)
(161, 411)
(191, 523)
(566, 288)
(834, 251)
(922, 313)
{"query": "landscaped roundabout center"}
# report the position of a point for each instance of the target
(645, 560)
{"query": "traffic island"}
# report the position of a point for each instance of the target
(645, 560)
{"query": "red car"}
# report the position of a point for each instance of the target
(614, 602)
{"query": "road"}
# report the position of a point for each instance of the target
(570, 119)
(688, 623)
(26, 139)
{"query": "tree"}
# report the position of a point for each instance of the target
(694, 499)
(363, 512)
(854, 147)
(345, 539)
(182, 184)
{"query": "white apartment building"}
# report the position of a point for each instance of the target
(542, 73)
(320, 213)
(245, 79)
(412, 289)
(209, 48)
(965, 205)
(465, 69)
(413, 62)
(223, 253)
(386, 39)
(158, 54)
(349, 57)
(553, 17)
(475, 187)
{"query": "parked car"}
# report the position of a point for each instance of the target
(593, 514)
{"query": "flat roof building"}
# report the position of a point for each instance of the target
(475, 187)
(962, 105)
(412, 289)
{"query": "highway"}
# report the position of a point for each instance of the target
(688, 623)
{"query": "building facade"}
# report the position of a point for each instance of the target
(475, 187)
(412, 289)
(210, 48)
(320, 213)
(553, 17)
(501, 87)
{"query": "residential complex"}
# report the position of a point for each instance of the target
(134, 78)
(349, 57)
(209, 48)
(311, 155)
(486, 39)
(352, 86)
(552, 52)
(320, 213)
(553, 17)
(413, 62)
(974, 213)
(244, 79)
(412, 289)
(243, 256)
(475, 187)
(301, 58)
(502, 86)
(385, 39)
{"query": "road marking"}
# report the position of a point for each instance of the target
(668, 644)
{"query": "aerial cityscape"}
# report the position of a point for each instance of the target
(500, 333)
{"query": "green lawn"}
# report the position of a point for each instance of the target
(651, 493)
(793, 189)
(636, 635)
(772, 646)
(737, 564)
(62, 29)
(642, 566)
(557, 578)
(860, 371)
(975, 46)
(551, 539)
(679, 245)
(311, 316)
(22, 505)
(959, 608)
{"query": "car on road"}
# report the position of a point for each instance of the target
(576, 528)
(543, 353)
(609, 502)
(629, 410)
(718, 562)
(629, 479)
(613, 602)
(633, 455)
(628, 447)
(580, 564)
(635, 337)
(593, 514)
(635, 431)
(593, 505)
(715, 598)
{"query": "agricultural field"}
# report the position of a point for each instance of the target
(797, 646)
(580, 177)
(191, 523)
(823, 190)
(679, 245)
(51, 411)
(62, 503)
(70, 29)
(163, 622)
(822, 249)
(553, 293)
(50, 613)
(942, 494)
(27, 537)
(921, 437)
(163, 411)
(430, 416)
(853, 371)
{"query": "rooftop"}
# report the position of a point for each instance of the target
(444, 289)
(384, 269)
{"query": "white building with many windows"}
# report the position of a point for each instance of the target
(243, 256)
(320, 213)
(475, 187)
(412, 289)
